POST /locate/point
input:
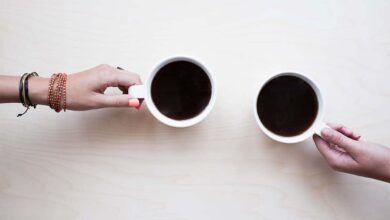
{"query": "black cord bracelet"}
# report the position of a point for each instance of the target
(28, 101)
(21, 89)
(23, 92)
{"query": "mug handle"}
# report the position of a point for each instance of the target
(137, 92)
(320, 127)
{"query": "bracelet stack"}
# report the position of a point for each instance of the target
(57, 92)
(23, 92)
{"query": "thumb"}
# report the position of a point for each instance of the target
(117, 101)
(337, 138)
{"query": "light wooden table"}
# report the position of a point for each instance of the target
(124, 164)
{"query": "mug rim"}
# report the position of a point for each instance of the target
(169, 121)
(318, 122)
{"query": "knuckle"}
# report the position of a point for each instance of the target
(135, 78)
(338, 139)
(117, 102)
(108, 76)
(104, 68)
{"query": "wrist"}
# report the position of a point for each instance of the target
(387, 167)
(383, 168)
(38, 90)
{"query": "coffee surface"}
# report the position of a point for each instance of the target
(181, 90)
(287, 105)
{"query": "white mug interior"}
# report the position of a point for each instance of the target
(316, 126)
(144, 91)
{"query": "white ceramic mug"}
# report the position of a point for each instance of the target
(316, 126)
(144, 92)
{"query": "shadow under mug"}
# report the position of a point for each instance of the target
(315, 127)
(144, 92)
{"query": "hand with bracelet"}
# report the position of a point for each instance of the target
(79, 91)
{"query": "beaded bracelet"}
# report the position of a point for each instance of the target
(57, 92)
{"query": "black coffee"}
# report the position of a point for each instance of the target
(181, 90)
(287, 105)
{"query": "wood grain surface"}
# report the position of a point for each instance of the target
(124, 164)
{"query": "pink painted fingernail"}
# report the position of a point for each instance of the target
(134, 103)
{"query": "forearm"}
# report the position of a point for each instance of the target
(37, 89)
(9, 89)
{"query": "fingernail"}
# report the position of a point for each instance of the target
(134, 103)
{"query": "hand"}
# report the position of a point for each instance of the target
(345, 152)
(85, 90)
